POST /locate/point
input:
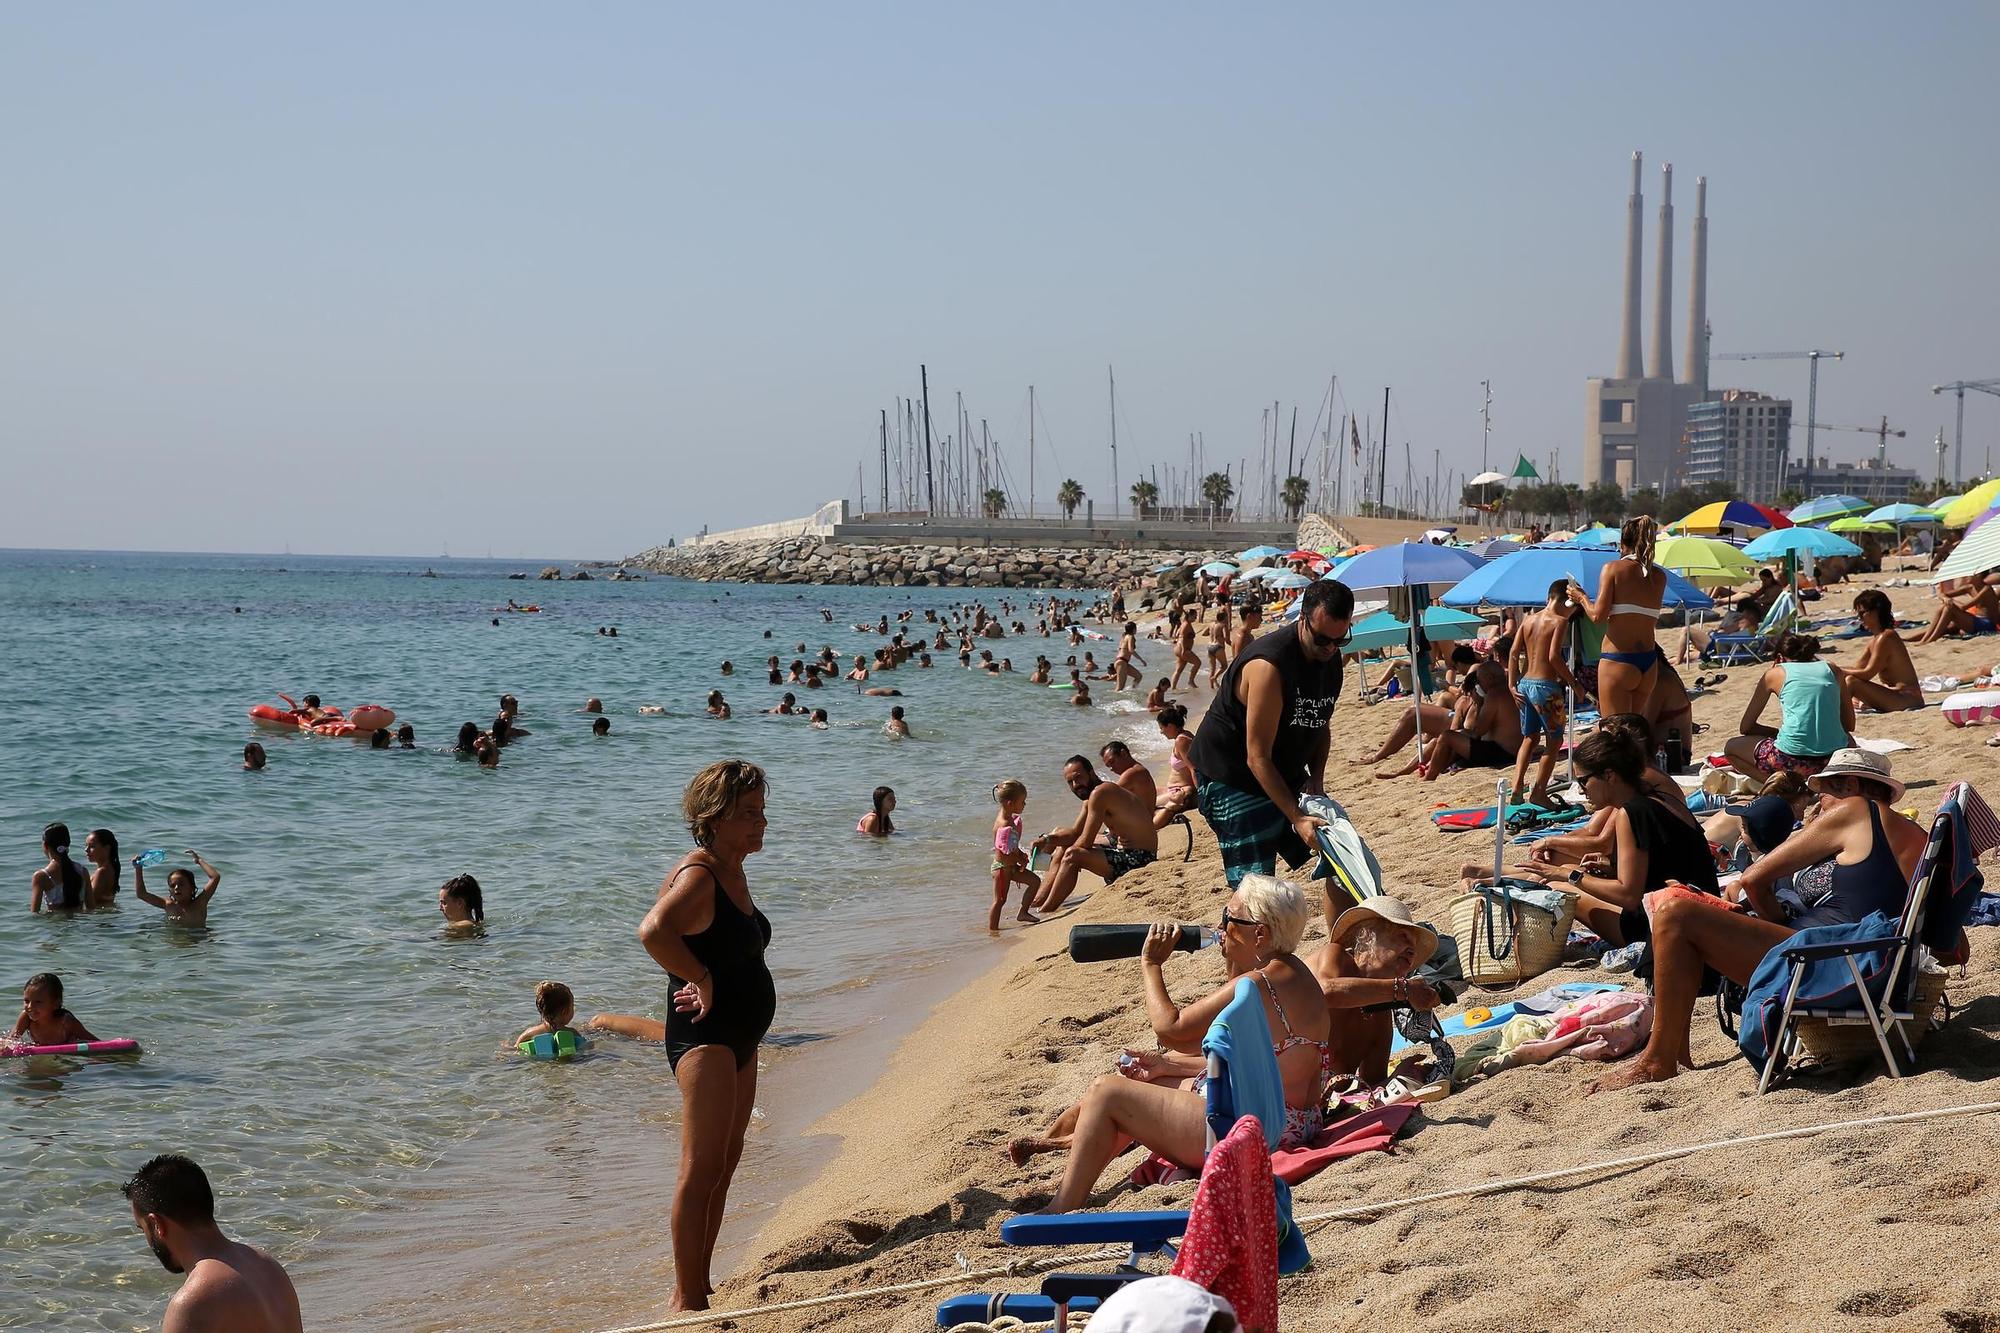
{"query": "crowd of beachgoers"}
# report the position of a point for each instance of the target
(1672, 869)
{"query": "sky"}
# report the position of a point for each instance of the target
(568, 281)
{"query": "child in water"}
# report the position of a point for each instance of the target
(462, 904)
(182, 904)
(1010, 863)
(557, 1007)
(896, 725)
(43, 1020)
(876, 823)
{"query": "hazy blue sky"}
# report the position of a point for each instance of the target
(566, 280)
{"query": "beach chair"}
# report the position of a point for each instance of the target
(1737, 649)
(1180, 821)
(1870, 976)
(1243, 1080)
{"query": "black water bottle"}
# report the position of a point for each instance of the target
(1677, 751)
(1097, 944)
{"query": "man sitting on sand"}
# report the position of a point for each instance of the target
(1485, 730)
(1129, 773)
(1885, 679)
(1977, 613)
(1364, 969)
(1107, 807)
(229, 1285)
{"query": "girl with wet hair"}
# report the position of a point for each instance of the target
(60, 886)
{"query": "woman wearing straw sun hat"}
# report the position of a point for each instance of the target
(1367, 961)
(1854, 857)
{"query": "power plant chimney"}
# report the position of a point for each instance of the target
(1661, 366)
(1628, 339)
(1697, 348)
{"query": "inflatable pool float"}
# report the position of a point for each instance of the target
(270, 715)
(364, 719)
(1972, 706)
(114, 1046)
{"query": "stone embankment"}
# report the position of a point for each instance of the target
(815, 560)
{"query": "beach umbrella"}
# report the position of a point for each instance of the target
(1215, 569)
(1312, 557)
(1564, 536)
(1977, 552)
(1815, 542)
(1969, 506)
(1487, 479)
(1287, 579)
(1441, 623)
(1823, 507)
(1733, 514)
(1261, 573)
(1856, 523)
(1902, 515)
(1944, 502)
(1260, 553)
(1703, 560)
(1596, 537)
(1523, 578)
(1416, 566)
(1494, 547)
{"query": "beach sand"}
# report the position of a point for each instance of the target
(1862, 1228)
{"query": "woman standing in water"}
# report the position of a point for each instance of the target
(1629, 597)
(709, 936)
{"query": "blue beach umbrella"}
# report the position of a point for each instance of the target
(1595, 537)
(1260, 552)
(1215, 569)
(1495, 547)
(1902, 515)
(1286, 579)
(1383, 630)
(1409, 565)
(1816, 542)
(1821, 508)
(1523, 578)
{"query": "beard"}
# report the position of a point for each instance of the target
(164, 1255)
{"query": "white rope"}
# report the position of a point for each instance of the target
(1030, 1266)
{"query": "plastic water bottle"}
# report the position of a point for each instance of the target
(1097, 944)
(1660, 760)
(151, 857)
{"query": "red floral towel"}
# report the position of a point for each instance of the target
(1231, 1246)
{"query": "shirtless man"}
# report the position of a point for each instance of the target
(1129, 773)
(1107, 807)
(1486, 730)
(1184, 657)
(229, 1285)
(1884, 679)
(1249, 624)
(1536, 674)
(1366, 962)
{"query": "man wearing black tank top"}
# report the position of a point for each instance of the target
(1263, 742)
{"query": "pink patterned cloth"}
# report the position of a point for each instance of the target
(1607, 1026)
(1231, 1245)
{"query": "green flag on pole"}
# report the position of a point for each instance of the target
(1523, 468)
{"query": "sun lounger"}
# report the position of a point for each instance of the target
(1869, 975)
(1242, 1080)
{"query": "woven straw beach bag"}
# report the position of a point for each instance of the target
(1854, 1043)
(1504, 939)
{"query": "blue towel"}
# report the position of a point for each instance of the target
(1985, 910)
(1254, 1086)
(1827, 983)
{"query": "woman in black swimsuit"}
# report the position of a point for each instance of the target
(710, 937)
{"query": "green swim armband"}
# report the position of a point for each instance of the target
(562, 1044)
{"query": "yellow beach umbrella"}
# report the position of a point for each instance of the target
(1704, 560)
(1971, 505)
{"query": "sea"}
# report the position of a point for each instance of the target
(337, 1063)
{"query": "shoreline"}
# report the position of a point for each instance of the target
(920, 1177)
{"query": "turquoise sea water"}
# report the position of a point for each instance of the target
(333, 1061)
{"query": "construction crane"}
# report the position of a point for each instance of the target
(1958, 432)
(1812, 387)
(1881, 434)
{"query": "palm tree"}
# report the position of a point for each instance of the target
(1295, 492)
(1218, 490)
(1144, 496)
(1069, 495)
(994, 502)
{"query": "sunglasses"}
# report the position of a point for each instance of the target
(1228, 920)
(1328, 640)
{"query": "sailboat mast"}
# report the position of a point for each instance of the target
(1031, 451)
(1113, 381)
(885, 458)
(930, 479)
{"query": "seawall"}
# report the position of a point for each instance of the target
(813, 559)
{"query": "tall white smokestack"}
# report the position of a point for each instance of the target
(1661, 366)
(1697, 347)
(1628, 339)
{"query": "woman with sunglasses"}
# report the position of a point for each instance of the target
(1854, 857)
(1654, 840)
(1158, 1099)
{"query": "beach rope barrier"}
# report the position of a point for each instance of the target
(1029, 1266)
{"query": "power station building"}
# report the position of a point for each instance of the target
(1636, 421)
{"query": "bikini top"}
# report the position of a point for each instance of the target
(1632, 609)
(1291, 1039)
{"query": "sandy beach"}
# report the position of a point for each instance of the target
(1862, 1228)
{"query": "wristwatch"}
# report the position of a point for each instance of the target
(1576, 875)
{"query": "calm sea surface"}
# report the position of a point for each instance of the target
(338, 1065)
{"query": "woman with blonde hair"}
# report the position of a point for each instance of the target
(1630, 594)
(1157, 1099)
(710, 937)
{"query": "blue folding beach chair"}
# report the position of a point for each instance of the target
(1243, 1079)
(1737, 649)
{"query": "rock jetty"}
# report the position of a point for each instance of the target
(815, 560)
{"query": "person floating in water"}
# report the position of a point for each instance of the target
(557, 1006)
(463, 904)
(43, 1020)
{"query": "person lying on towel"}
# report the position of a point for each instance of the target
(1158, 1099)
(1854, 857)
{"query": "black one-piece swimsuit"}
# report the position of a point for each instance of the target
(745, 999)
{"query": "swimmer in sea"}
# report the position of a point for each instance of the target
(819, 722)
(311, 710)
(406, 736)
(812, 678)
(1080, 697)
(924, 661)
(1040, 675)
(786, 706)
(462, 904)
(896, 726)
(486, 752)
(1158, 698)
(61, 885)
(728, 667)
(652, 710)
(557, 1006)
(860, 671)
(717, 705)
(601, 727)
(468, 738)
(876, 823)
(593, 705)
(883, 692)
(253, 757)
(43, 1020)
(182, 904)
(100, 849)
(380, 739)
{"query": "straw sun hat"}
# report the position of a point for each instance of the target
(1391, 910)
(1857, 763)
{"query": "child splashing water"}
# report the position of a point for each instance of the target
(1010, 863)
(43, 1020)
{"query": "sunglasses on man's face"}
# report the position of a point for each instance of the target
(1328, 640)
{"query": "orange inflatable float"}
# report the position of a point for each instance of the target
(364, 719)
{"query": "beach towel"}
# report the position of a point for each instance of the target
(1343, 853)
(1985, 910)
(1231, 1244)
(1370, 1131)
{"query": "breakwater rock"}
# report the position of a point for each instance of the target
(816, 560)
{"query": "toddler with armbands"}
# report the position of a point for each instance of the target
(552, 1038)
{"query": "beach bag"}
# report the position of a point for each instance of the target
(1511, 931)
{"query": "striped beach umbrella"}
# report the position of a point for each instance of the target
(1823, 507)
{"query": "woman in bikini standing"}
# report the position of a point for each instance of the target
(1628, 606)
